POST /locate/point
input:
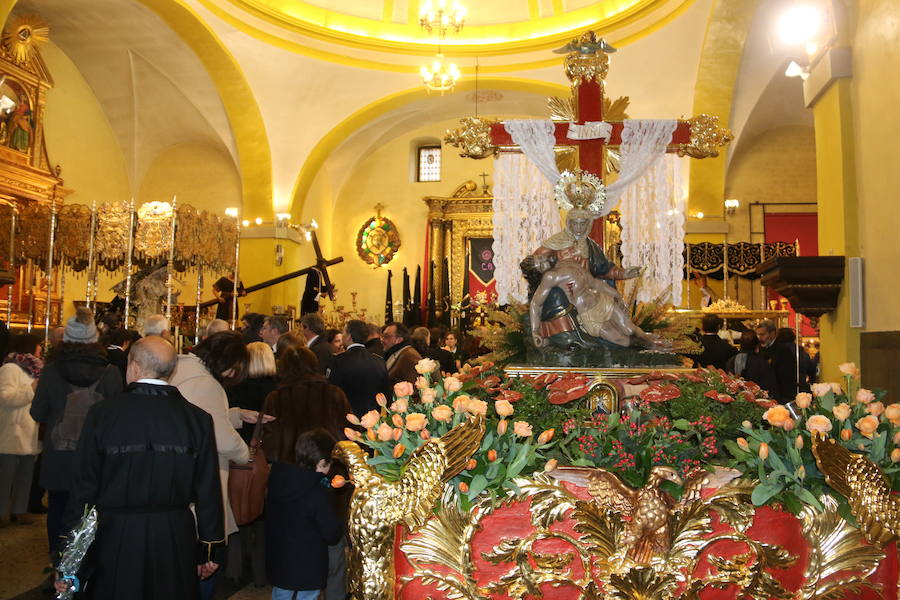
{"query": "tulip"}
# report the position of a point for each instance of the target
(492, 455)
(370, 434)
(471, 464)
(399, 449)
(416, 421)
(352, 434)
(764, 451)
(385, 432)
(864, 396)
(522, 428)
(353, 419)
(463, 487)
(370, 419)
(803, 400)
(897, 439)
(338, 481)
(400, 405)
(788, 425)
(846, 434)
(424, 434)
(398, 433)
(895, 455)
(397, 420)
(551, 464)
(742, 444)
(875, 408)
(798, 442)
(501, 427)
(848, 368)
(801, 472)
(381, 400)
(747, 424)
(545, 436)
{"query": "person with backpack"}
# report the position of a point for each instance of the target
(78, 377)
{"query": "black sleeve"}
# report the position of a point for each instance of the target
(88, 469)
(208, 496)
(785, 366)
(327, 523)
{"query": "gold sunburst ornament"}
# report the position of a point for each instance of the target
(22, 37)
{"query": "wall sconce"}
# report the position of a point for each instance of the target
(731, 205)
(795, 70)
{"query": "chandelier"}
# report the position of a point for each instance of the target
(440, 76)
(436, 16)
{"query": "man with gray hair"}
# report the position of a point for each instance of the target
(272, 329)
(215, 326)
(312, 327)
(157, 325)
(146, 435)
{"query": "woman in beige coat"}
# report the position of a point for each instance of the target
(219, 359)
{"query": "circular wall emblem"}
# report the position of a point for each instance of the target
(377, 241)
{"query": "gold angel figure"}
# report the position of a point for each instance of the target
(865, 486)
(378, 506)
(645, 511)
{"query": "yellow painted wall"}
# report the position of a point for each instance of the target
(874, 93)
(80, 139)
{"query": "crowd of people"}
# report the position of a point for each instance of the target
(766, 355)
(114, 419)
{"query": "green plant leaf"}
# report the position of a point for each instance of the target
(765, 492)
(806, 496)
(681, 424)
(478, 485)
(878, 447)
(519, 462)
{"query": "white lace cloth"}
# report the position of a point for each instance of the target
(536, 140)
(525, 214)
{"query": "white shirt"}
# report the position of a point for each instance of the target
(354, 345)
(152, 381)
(310, 341)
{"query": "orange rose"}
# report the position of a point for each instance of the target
(442, 413)
(460, 403)
(504, 408)
(492, 455)
(819, 423)
(476, 407)
(400, 405)
(421, 383)
(352, 434)
(353, 418)
(841, 411)
(892, 413)
(777, 415)
(501, 426)
(764, 451)
(820, 389)
(385, 432)
(545, 436)
(875, 408)
(864, 396)
(803, 400)
(522, 428)
(551, 464)
(416, 421)
(452, 385)
(836, 389)
(338, 481)
(849, 368)
(868, 426)
(397, 420)
(403, 388)
(369, 419)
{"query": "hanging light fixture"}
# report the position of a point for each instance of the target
(435, 16)
(440, 76)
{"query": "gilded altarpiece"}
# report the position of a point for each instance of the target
(31, 191)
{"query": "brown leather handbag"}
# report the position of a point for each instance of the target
(247, 483)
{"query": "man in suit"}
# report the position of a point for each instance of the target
(399, 355)
(358, 372)
(716, 351)
(272, 329)
(780, 357)
(373, 343)
(312, 327)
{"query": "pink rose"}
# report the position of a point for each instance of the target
(892, 413)
(522, 428)
(427, 396)
(875, 408)
(864, 396)
(819, 423)
(820, 389)
(868, 426)
(803, 400)
(400, 405)
(403, 388)
(848, 368)
(425, 366)
(836, 388)
(385, 432)
(503, 407)
(452, 385)
(442, 413)
(370, 418)
(416, 421)
(421, 383)
(841, 411)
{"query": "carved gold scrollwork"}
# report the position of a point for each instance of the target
(473, 138)
(706, 137)
(586, 67)
(73, 235)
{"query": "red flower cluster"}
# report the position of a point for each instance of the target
(587, 445)
(690, 468)
(569, 426)
(626, 459)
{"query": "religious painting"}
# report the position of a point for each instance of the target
(16, 119)
(480, 269)
(377, 240)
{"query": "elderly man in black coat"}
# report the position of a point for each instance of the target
(144, 457)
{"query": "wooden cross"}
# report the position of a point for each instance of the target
(484, 185)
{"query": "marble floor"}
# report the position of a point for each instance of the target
(23, 564)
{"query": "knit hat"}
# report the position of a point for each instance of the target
(80, 329)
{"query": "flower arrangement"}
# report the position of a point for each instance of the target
(780, 455)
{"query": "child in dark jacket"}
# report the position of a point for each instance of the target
(300, 520)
